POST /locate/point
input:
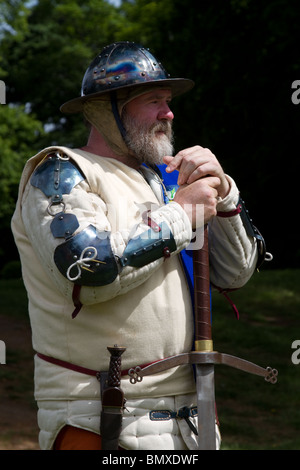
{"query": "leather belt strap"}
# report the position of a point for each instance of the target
(68, 365)
(80, 369)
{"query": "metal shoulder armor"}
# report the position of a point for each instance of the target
(85, 258)
(55, 176)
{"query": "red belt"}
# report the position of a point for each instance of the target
(82, 370)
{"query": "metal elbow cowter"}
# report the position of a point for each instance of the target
(87, 258)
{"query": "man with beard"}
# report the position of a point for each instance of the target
(100, 236)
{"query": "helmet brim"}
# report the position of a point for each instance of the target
(178, 86)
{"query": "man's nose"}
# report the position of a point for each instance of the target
(165, 113)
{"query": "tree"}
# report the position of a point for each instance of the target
(19, 131)
(43, 56)
(242, 55)
(46, 67)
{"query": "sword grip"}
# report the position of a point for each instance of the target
(203, 332)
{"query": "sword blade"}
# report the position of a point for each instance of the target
(206, 407)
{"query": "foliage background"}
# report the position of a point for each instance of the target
(242, 55)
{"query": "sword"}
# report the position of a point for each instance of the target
(205, 384)
(203, 357)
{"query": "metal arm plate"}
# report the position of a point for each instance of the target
(136, 374)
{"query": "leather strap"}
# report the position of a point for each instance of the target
(76, 300)
(80, 369)
(202, 292)
(236, 211)
(68, 365)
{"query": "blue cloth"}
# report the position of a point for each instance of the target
(170, 180)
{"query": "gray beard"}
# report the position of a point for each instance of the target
(143, 143)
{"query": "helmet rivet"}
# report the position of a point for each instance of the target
(143, 74)
(117, 77)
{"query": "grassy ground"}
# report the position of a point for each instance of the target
(253, 414)
(18, 423)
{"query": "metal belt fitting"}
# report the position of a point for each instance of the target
(183, 413)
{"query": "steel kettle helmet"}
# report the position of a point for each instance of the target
(122, 65)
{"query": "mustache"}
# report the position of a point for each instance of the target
(162, 126)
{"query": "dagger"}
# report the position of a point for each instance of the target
(112, 401)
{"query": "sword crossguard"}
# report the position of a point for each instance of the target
(137, 373)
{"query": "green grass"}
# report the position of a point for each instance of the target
(17, 375)
(253, 414)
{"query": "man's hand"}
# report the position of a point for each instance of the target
(197, 162)
(199, 197)
(201, 181)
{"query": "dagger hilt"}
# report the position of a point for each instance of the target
(114, 371)
(112, 402)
